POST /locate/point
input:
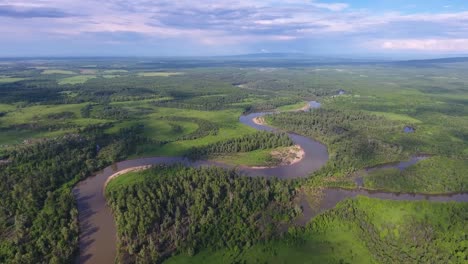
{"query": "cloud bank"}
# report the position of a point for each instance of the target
(195, 27)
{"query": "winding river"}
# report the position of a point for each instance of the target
(98, 234)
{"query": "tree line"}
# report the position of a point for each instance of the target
(250, 142)
(206, 103)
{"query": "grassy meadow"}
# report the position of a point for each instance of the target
(159, 74)
(7, 79)
(76, 79)
(57, 72)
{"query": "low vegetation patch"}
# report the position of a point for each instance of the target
(7, 79)
(159, 74)
(114, 71)
(57, 72)
(76, 79)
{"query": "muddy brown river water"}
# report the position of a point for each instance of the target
(98, 236)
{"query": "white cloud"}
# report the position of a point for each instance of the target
(436, 45)
(332, 7)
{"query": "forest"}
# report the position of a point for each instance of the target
(38, 220)
(169, 210)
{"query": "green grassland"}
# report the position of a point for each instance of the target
(76, 79)
(35, 122)
(114, 71)
(57, 72)
(34, 113)
(20, 122)
(397, 117)
(13, 137)
(227, 120)
(158, 129)
(7, 79)
(130, 178)
(292, 106)
(159, 74)
(6, 107)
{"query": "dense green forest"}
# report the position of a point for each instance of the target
(259, 140)
(38, 220)
(169, 210)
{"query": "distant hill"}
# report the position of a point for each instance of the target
(267, 55)
(440, 60)
(249, 60)
(297, 56)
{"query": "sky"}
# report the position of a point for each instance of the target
(221, 27)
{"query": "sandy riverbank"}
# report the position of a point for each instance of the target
(289, 156)
(133, 169)
(259, 120)
(305, 108)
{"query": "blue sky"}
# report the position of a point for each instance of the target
(179, 28)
